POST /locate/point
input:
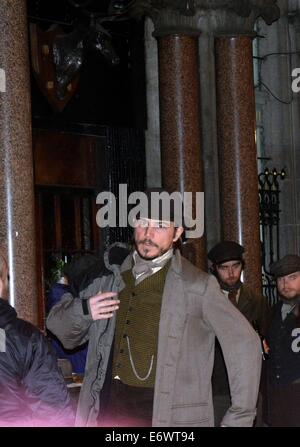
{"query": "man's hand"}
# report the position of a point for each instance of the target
(266, 346)
(102, 305)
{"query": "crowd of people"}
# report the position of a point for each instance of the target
(161, 343)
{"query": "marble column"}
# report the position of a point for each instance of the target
(177, 26)
(152, 135)
(181, 158)
(17, 231)
(239, 200)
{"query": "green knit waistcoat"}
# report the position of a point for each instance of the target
(136, 337)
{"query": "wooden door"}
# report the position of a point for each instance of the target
(67, 180)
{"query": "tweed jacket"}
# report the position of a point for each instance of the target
(193, 312)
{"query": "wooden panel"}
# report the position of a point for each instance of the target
(95, 228)
(62, 159)
(57, 222)
(77, 223)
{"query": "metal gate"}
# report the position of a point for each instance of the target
(269, 213)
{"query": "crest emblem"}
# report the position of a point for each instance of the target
(56, 72)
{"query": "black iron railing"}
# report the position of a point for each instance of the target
(269, 211)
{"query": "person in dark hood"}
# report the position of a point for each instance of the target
(77, 274)
(32, 389)
(283, 338)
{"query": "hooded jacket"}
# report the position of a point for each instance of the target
(32, 388)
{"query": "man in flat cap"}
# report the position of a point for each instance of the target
(283, 338)
(227, 266)
(151, 323)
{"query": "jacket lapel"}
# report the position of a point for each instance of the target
(171, 327)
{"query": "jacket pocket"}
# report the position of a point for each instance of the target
(191, 414)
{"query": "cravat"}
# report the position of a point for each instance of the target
(145, 268)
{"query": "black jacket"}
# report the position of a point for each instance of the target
(254, 307)
(283, 339)
(32, 389)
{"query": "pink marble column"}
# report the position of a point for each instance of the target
(16, 167)
(237, 150)
(182, 168)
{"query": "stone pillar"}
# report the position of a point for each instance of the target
(16, 166)
(177, 26)
(181, 155)
(239, 201)
(152, 138)
(209, 136)
(237, 150)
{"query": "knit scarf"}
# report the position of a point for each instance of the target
(143, 268)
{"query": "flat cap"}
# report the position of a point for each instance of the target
(285, 266)
(225, 251)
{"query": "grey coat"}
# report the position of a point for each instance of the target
(193, 312)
